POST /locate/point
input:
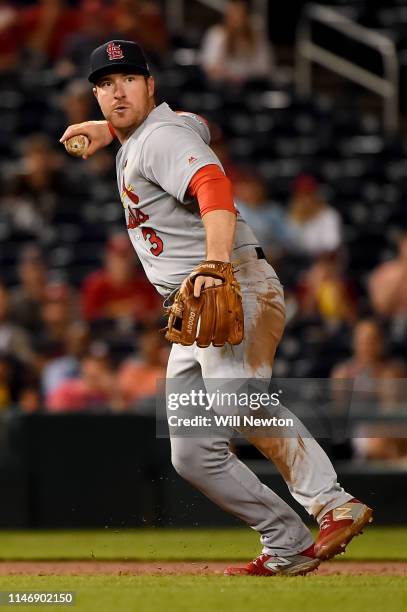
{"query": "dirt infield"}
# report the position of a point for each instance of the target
(168, 568)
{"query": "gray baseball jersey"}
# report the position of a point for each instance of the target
(154, 168)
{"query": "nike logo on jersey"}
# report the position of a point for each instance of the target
(192, 159)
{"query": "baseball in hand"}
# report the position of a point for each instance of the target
(77, 145)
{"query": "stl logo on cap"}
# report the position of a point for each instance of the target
(114, 51)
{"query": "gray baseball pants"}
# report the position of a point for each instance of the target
(207, 462)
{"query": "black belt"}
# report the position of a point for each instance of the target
(260, 253)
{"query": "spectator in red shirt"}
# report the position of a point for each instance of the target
(138, 377)
(94, 390)
(44, 27)
(9, 36)
(120, 289)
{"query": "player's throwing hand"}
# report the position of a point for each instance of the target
(98, 133)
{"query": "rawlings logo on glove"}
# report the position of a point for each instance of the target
(215, 317)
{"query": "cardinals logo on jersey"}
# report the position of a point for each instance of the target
(137, 217)
(114, 51)
(128, 191)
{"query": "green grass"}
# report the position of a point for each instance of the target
(176, 544)
(204, 594)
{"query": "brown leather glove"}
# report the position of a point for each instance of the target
(216, 317)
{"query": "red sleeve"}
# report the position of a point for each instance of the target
(212, 189)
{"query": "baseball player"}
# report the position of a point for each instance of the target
(182, 222)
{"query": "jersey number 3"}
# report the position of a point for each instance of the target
(157, 245)
(136, 217)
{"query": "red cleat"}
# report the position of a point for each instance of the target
(339, 526)
(272, 565)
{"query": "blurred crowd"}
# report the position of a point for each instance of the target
(61, 35)
(78, 319)
(57, 342)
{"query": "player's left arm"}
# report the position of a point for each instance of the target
(213, 191)
(183, 165)
(220, 228)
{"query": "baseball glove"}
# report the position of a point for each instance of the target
(216, 317)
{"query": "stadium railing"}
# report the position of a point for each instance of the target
(307, 53)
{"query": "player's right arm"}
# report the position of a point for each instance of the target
(98, 132)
